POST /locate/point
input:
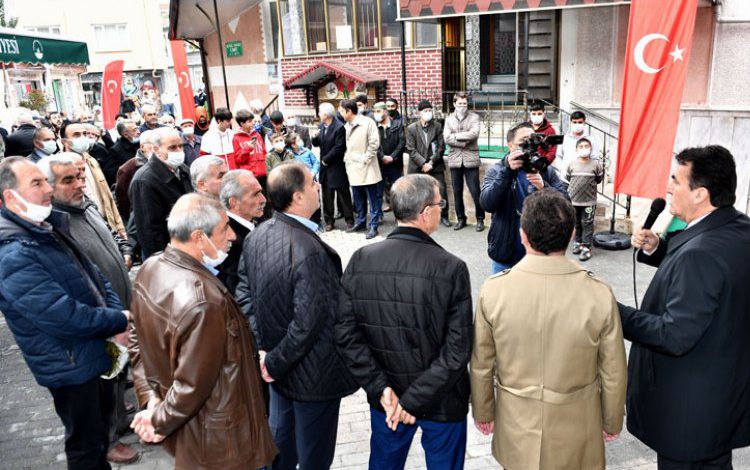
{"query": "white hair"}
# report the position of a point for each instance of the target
(47, 163)
(24, 117)
(327, 109)
(193, 212)
(199, 168)
(232, 187)
(162, 133)
(147, 136)
(147, 108)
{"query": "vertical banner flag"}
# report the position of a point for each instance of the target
(187, 103)
(111, 92)
(660, 35)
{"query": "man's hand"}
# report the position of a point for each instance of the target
(128, 261)
(404, 416)
(123, 234)
(387, 159)
(389, 402)
(263, 370)
(514, 159)
(485, 428)
(427, 167)
(143, 426)
(536, 180)
(645, 240)
(609, 437)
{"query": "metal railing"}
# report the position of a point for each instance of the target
(272, 105)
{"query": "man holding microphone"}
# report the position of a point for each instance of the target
(689, 367)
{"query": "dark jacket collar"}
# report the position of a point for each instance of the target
(412, 234)
(716, 219)
(162, 171)
(184, 260)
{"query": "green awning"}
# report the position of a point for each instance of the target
(31, 48)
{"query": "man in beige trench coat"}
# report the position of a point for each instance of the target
(548, 338)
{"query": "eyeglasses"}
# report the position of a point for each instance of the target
(443, 204)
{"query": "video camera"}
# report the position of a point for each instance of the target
(533, 162)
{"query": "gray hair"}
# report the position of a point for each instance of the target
(47, 163)
(122, 126)
(410, 194)
(8, 178)
(193, 212)
(327, 109)
(148, 108)
(199, 168)
(24, 117)
(147, 136)
(162, 133)
(232, 187)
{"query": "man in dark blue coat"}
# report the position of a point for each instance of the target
(505, 188)
(689, 367)
(289, 288)
(60, 309)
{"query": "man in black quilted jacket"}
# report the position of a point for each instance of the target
(289, 285)
(405, 331)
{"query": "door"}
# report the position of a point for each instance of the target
(454, 77)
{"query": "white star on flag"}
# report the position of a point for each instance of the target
(677, 53)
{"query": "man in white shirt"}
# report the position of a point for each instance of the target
(218, 140)
(242, 196)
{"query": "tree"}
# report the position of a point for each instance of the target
(9, 22)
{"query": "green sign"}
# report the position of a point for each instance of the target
(234, 49)
(41, 50)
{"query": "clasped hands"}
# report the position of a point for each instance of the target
(143, 426)
(394, 412)
(263, 371)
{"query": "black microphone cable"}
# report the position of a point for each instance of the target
(635, 290)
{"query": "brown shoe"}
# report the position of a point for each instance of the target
(123, 454)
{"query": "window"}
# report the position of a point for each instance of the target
(316, 25)
(426, 34)
(389, 27)
(340, 25)
(44, 29)
(292, 19)
(111, 37)
(273, 14)
(367, 24)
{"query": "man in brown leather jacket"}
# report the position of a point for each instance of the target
(193, 355)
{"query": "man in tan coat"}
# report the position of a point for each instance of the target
(548, 337)
(362, 167)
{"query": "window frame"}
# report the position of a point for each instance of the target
(121, 43)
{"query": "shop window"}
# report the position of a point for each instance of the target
(367, 24)
(340, 25)
(292, 20)
(426, 34)
(389, 27)
(111, 37)
(316, 25)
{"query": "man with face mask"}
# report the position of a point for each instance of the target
(540, 125)
(156, 187)
(127, 145)
(44, 144)
(567, 152)
(60, 308)
(127, 171)
(191, 142)
(97, 188)
(392, 106)
(390, 153)
(101, 153)
(194, 366)
(293, 125)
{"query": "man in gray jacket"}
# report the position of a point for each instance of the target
(461, 133)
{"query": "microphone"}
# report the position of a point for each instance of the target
(657, 207)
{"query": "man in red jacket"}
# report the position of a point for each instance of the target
(249, 147)
(541, 125)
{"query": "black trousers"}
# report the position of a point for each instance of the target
(722, 462)
(440, 176)
(471, 175)
(343, 198)
(585, 224)
(85, 411)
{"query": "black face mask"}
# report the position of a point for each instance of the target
(392, 112)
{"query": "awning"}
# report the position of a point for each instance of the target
(429, 9)
(195, 19)
(17, 46)
(326, 70)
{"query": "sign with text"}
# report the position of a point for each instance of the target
(234, 49)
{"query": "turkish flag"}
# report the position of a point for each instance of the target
(111, 92)
(660, 35)
(187, 103)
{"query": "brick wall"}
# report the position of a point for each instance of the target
(423, 70)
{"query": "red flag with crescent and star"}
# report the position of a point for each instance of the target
(111, 91)
(181, 71)
(660, 35)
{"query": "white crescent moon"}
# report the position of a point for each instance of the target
(640, 62)
(113, 84)
(186, 81)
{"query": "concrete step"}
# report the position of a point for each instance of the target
(499, 87)
(501, 79)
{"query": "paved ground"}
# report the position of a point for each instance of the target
(31, 435)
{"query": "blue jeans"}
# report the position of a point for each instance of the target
(499, 267)
(363, 194)
(444, 444)
(304, 432)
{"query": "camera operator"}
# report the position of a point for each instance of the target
(506, 185)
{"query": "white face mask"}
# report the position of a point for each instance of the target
(220, 255)
(378, 117)
(188, 130)
(583, 152)
(279, 146)
(34, 212)
(291, 121)
(576, 127)
(461, 109)
(49, 147)
(80, 144)
(427, 116)
(536, 119)
(175, 159)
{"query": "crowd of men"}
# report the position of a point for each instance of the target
(244, 331)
